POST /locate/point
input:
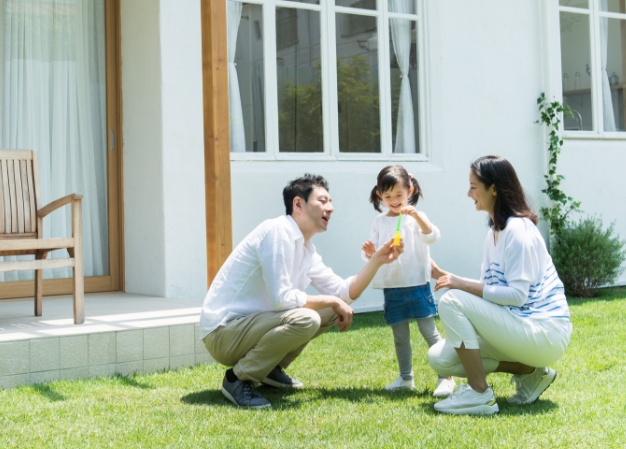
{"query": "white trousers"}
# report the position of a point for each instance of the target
(499, 335)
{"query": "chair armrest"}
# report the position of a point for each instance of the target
(58, 203)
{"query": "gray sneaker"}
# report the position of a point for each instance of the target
(243, 394)
(530, 386)
(278, 378)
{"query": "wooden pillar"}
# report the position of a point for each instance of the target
(216, 134)
(622, 9)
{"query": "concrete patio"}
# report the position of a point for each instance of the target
(123, 333)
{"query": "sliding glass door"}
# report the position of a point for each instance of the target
(56, 82)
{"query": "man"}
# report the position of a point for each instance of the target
(256, 316)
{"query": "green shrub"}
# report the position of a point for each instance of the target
(586, 257)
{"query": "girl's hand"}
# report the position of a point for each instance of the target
(435, 271)
(409, 210)
(420, 217)
(448, 280)
(368, 248)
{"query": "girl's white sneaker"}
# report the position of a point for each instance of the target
(399, 383)
(445, 387)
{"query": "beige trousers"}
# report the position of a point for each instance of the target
(253, 345)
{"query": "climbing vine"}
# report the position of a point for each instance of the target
(560, 204)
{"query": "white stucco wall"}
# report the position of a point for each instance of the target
(164, 224)
(594, 175)
(485, 69)
(143, 148)
(484, 73)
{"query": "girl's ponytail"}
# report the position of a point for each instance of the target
(375, 199)
(417, 191)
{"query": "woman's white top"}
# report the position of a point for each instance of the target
(413, 266)
(519, 273)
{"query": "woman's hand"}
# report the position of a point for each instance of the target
(368, 248)
(448, 280)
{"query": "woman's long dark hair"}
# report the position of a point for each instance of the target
(388, 178)
(510, 198)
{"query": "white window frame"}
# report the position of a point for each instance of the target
(328, 10)
(554, 65)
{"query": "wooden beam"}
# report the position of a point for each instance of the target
(216, 134)
(622, 9)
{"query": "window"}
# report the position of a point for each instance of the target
(593, 64)
(324, 79)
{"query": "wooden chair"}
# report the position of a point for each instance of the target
(21, 226)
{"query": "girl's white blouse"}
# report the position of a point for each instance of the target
(413, 266)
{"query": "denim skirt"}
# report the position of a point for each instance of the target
(406, 303)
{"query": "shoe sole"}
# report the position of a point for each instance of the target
(546, 381)
(442, 395)
(232, 399)
(273, 383)
(478, 410)
(398, 388)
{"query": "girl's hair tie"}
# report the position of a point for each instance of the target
(410, 175)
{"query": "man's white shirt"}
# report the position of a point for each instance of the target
(268, 272)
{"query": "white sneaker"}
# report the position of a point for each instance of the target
(530, 386)
(465, 401)
(399, 383)
(445, 387)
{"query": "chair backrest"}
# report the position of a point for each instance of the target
(19, 194)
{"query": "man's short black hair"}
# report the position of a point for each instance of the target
(302, 187)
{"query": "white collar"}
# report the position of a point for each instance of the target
(297, 234)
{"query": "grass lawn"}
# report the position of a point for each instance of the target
(342, 404)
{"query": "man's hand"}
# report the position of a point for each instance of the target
(387, 252)
(344, 313)
(368, 248)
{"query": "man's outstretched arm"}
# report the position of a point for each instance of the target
(387, 253)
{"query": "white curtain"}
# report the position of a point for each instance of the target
(401, 37)
(607, 102)
(237, 133)
(257, 100)
(53, 101)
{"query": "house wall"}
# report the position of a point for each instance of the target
(164, 224)
(594, 175)
(484, 69)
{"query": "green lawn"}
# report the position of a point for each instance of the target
(343, 404)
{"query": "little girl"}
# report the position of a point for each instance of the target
(405, 282)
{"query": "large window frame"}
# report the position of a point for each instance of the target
(331, 152)
(593, 13)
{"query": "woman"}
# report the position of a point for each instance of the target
(515, 319)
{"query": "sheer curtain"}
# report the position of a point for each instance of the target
(52, 100)
(401, 37)
(237, 132)
(607, 102)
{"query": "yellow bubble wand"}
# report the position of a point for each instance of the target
(397, 236)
